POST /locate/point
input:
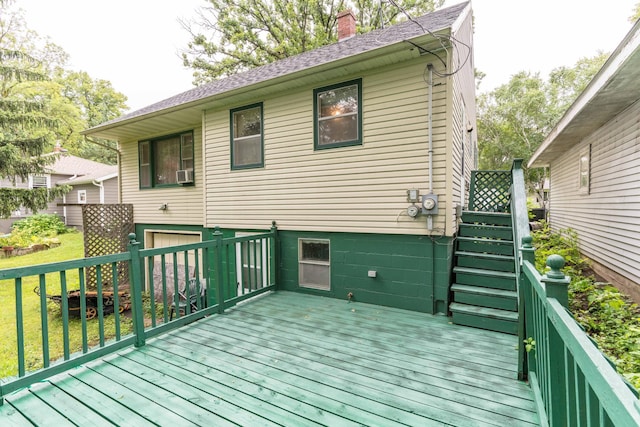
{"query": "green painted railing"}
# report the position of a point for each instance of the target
(572, 380)
(167, 288)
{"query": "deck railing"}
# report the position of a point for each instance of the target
(572, 380)
(167, 288)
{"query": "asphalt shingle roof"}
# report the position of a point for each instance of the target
(376, 39)
(84, 170)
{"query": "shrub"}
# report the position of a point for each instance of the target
(40, 225)
(607, 315)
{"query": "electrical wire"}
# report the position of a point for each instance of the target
(441, 38)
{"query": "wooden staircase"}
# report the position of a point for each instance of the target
(484, 289)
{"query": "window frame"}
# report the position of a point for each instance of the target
(82, 200)
(232, 138)
(584, 170)
(316, 116)
(150, 146)
(47, 178)
(304, 284)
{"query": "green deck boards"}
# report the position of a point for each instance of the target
(295, 360)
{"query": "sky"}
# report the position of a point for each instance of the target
(135, 44)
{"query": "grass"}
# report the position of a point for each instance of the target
(72, 247)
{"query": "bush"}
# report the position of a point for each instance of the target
(40, 225)
(607, 315)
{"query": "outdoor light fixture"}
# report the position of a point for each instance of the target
(163, 207)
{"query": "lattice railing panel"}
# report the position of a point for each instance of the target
(106, 231)
(490, 191)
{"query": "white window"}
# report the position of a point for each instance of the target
(314, 264)
(584, 178)
(82, 196)
(39, 181)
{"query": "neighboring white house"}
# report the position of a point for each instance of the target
(92, 182)
(339, 145)
(593, 155)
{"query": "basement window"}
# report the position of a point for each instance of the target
(314, 264)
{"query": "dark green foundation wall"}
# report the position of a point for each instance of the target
(413, 272)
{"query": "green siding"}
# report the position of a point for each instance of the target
(406, 265)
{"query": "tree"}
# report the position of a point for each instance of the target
(24, 119)
(516, 117)
(636, 13)
(90, 102)
(231, 36)
(42, 103)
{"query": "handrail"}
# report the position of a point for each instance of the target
(167, 288)
(520, 227)
(573, 382)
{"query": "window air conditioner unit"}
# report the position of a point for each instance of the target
(184, 176)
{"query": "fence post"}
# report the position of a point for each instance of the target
(217, 253)
(556, 283)
(556, 286)
(135, 288)
(527, 253)
(273, 262)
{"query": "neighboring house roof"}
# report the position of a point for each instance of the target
(305, 62)
(80, 170)
(611, 91)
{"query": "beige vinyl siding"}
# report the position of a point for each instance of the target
(356, 188)
(463, 98)
(607, 219)
(184, 202)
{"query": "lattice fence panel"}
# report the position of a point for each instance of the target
(106, 231)
(491, 191)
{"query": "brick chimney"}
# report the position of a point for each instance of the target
(346, 25)
(58, 147)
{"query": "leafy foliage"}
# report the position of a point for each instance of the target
(41, 225)
(41, 104)
(607, 315)
(231, 36)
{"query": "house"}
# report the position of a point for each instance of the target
(360, 151)
(593, 155)
(91, 182)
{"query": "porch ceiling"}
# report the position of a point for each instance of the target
(293, 359)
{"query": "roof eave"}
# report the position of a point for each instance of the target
(619, 65)
(114, 130)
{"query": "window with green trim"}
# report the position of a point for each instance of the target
(166, 161)
(337, 111)
(247, 143)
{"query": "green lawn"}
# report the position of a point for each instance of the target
(71, 247)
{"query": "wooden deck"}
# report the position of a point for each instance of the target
(294, 360)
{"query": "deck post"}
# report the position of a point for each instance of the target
(273, 261)
(217, 251)
(135, 287)
(556, 286)
(527, 253)
(556, 283)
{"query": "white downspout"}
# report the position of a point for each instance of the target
(101, 185)
(430, 83)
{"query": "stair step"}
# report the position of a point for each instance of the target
(485, 261)
(486, 231)
(485, 297)
(485, 318)
(494, 218)
(490, 246)
(485, 278)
